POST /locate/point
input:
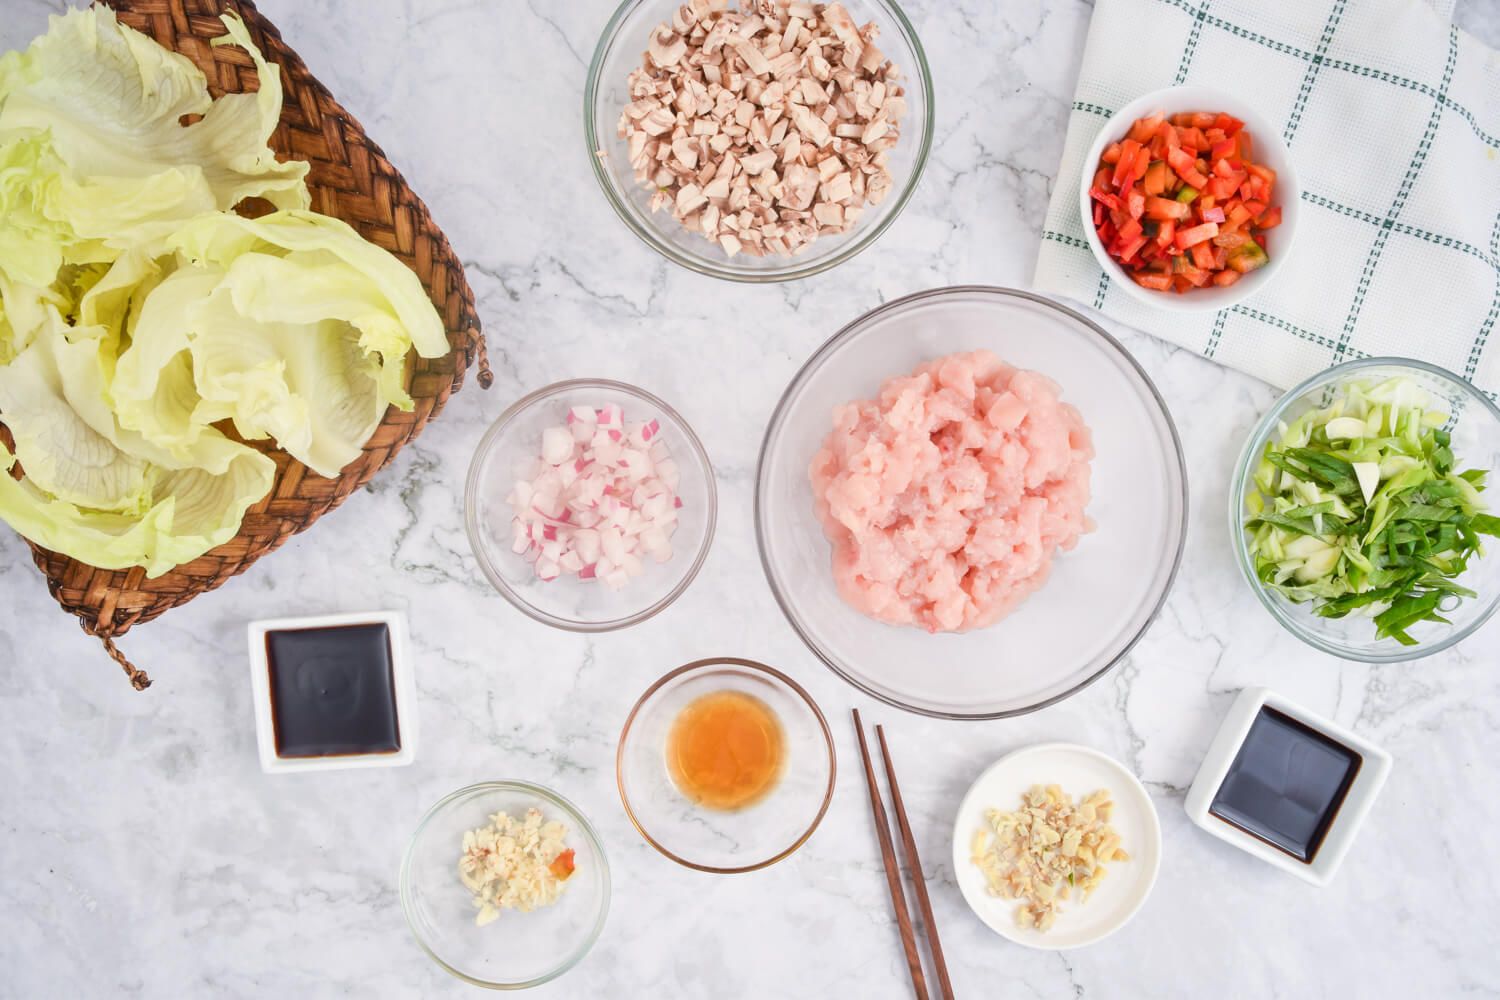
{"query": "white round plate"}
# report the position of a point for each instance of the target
(1079, 770)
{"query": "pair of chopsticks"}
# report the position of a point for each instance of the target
(893, 870)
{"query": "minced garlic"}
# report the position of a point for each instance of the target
(515, 864)
(1045, 850)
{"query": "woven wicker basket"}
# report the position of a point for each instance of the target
(351, 179)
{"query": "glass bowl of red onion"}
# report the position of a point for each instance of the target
(591, 505)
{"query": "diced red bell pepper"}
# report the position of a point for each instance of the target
(1224, 168)
(1264, 172)
(1126, 249)
(1180, 204)
(1145, 128)
(1203, 255)
(1157, 177)
(1196, 234)
(1249, 257)
(1167, 133)
(1128, 149)
(1228, 123)
(1167, 208)
(1186, 167)
(1220, 188)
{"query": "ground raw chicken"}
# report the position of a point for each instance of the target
(946, 496)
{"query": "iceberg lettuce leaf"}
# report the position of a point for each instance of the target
(90, 121)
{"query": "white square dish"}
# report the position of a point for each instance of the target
(1374, 767)
(403, 690)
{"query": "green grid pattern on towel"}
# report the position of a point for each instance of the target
(1342, 65)
(1385, 225)
(1413, 169)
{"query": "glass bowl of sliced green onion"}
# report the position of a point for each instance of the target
(1366, 510)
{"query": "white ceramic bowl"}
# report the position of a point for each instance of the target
(1079, 770)
(1375, 767)
(1267, 148)
(1102, 595)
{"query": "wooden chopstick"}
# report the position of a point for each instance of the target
(914, 867)
(892, 869)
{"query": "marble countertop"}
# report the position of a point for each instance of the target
(145, 854)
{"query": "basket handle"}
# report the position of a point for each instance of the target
(485, 376)
(137, 676)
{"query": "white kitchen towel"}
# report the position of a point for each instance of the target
(1392, 116)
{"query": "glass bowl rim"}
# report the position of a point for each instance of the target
(471, 513)
(700, 263)
(822, 356)
(1255, 442)
(778, 679)
(581, 823)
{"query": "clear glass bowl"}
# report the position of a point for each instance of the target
(517, 950)
(569, 603)
(710, 840)
(619, 52)
(1476, 444)
(1102, 595)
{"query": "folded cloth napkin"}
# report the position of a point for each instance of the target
(1392, 116)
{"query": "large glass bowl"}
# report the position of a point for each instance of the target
(1475, 427)
(517, 950)
(619, 52)
(1101, 596)
(512, 445)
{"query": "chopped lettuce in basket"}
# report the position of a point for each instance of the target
(146, 331)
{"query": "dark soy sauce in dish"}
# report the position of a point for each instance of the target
(1286, 784)
(333, 691)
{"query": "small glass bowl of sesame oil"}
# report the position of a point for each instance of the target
(726, 765)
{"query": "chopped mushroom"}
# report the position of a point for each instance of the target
(763, 127)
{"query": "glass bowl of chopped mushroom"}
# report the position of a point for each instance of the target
(758, 140)
(505, 884)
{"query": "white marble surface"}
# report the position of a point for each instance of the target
(144, 853)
